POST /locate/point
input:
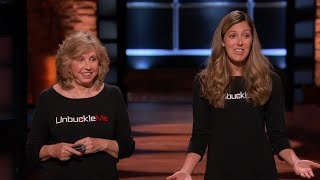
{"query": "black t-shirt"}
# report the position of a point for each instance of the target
(240, 137)
(60, 119)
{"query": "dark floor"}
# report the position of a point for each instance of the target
(162, 132)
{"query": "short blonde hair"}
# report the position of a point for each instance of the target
(73, 47)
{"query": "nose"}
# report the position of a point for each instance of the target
(87, 65)
(239, 41)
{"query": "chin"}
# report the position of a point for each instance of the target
(87, 83)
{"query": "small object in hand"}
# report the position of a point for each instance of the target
(80, 147)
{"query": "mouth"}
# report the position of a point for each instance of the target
(86, 73)
(239, 51)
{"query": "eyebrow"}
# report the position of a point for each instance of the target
(242, 31)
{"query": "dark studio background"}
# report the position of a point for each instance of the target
(156, 48)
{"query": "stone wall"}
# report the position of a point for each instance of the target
(49, 21)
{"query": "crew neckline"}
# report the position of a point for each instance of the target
(65, 97)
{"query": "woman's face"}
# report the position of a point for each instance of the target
(85, 68)
(237, 42)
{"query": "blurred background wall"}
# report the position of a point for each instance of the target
(49, 21)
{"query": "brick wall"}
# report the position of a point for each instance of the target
(49, 21)
(317, 45)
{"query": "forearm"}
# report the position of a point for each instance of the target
(289, 156)
(45, 152)
(192, 159)
(111, 147)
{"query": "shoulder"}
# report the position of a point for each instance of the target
(113, 93)
(197, 80)
(277, 84)
(197, 84)
(111, 89)
(276, 79)
(274, 76)
(46, 93)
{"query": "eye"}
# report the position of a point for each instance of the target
(93, 58)
(232, 36)
(247, 36)
(80, 59)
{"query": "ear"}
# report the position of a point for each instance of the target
(223, 45)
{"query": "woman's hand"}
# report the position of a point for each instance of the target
(93, 145)
(180, 175)
(62, 151)
(304, 168)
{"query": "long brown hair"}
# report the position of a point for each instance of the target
(73, 47)
(216, 78)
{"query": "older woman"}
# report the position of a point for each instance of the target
(80, 126)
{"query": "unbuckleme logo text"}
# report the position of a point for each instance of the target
(240, 95)
(81, 119)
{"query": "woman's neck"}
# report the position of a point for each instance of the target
(79, 91)
(236, 69)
